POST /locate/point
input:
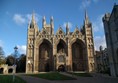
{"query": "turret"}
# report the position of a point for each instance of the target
(44, 22)
(89, 43)
(52, 25)
(33, 22)
(67, 29)
(86, 18)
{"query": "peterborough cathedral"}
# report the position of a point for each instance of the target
(60, 51)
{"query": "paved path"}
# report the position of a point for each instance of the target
(30, 79)
(98, 78)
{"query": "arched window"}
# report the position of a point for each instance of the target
(61, 58)
(61, 47)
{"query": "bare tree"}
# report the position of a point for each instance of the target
(2, 58)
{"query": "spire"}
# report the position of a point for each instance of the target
(32, 20)
(44, 21)
(51, 18)
(52, 24)
(67, 28)
(86, 17)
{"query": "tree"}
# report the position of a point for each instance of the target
(2, 59)
(10, 60)
(21, 63)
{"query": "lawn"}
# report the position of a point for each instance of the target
(9, 79)
(52, 76)
(81, 74)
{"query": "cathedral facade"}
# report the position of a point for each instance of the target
(62, 51)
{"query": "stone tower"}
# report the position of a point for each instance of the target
(63, 51)
(110, 21)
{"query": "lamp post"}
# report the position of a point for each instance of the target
(15, 56)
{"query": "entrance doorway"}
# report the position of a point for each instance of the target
(61, 68)
(1, 70)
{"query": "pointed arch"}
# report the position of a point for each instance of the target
(45, 56)
(78, 40)
(61, 46)
(78, 55)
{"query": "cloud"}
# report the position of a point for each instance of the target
(37, 17)
(99, 41)
(19, 19)
(22, 49)
(69, 24)
(85, 3)
(98, 24)
(98, 29)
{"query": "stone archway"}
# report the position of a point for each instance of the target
(10, 70)
(61, 68)
(78, 55)
(47, 68)
(1, 70)
(45, 56)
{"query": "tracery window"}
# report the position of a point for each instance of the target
(61, 58)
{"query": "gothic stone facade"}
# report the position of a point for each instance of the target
(111, 33)
(63, 51)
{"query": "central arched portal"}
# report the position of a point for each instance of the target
(61, 68)
(78, 56)
(45, 56)
(61, 55)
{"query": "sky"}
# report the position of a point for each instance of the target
(16, 14)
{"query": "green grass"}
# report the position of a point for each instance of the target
(9, 79)
(52, 76)
(81, 74)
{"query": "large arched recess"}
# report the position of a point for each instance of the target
(61, 47)
(45, 56)
(79, 57)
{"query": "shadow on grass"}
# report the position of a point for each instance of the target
(52, 76)
(81, 74)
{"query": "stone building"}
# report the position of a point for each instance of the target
(102, 61)
(62, 51)
(111, 33)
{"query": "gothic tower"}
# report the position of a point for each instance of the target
(32, 32)
(89, 43)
